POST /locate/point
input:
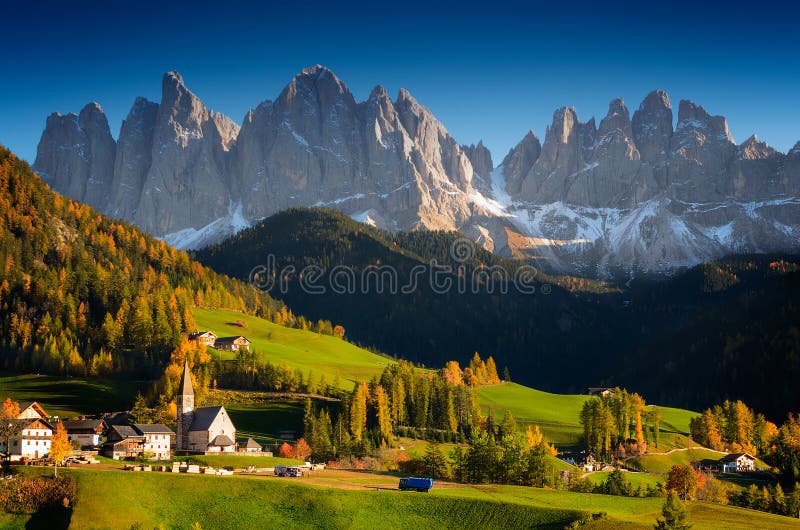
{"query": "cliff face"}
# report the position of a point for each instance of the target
(627, 194)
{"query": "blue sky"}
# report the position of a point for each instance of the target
(490, 71)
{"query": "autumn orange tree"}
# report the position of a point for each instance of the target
(302, 450)
(286, 451)
(60, 447)
(8, 427)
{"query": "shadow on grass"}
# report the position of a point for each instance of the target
(50, 519)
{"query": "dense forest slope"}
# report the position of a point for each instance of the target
(720, 330)
(82, 293)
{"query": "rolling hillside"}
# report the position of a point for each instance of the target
(651, 335)
(556, 414)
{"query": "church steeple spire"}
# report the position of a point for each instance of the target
(185, 406)
(186, 388)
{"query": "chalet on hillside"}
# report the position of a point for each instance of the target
(232, 343)
(738, 462)
(203, 337)
(583, 459)
(600, 391)
(88, 432)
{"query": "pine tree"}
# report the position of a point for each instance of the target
(435, 463)
(675, 515)
(508, 426)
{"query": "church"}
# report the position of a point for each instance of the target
(204, 430)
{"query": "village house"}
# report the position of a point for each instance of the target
(203, 337)
(123, 442)
(738, 462)
(133, 441)
(30, 439)
(202, 430)
(28, 435)
(583, 459)
(157, 439)
(232, 343)
(88, 432)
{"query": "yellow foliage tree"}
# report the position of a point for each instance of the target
(452, 373)
(59, 447)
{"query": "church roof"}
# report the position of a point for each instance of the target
(251, 444)
(186, 388)
(221, 441)
(204, 417)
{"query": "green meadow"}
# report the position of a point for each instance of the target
(257, 502)
(70, 396)
(556, 414)
(296, 348)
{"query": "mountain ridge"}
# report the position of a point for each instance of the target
(630, 195)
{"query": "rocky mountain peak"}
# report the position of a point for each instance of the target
(655, 102)
(617, 121)
(564, 125)
(316, 86)
(692, 116)
(519, 162)
(652, 129)
(378, 93)
(481, 159)
(755, 149)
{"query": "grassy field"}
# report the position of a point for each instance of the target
(663, 463)
(296, 348)
(558, 414)
(238, 502)
(240, 461)
(70, 396)
(636, 479)
(257, 502)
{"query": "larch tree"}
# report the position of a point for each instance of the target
(358, 411)
(60, 447)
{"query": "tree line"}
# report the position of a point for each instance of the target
(83, 294)
(619, 422)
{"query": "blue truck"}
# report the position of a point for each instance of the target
(416, 484)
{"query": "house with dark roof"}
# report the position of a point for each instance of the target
(88, 432)
(738, 462)
(205, 429)
(236, 343)
(29, 439)
(133, 441)
(203, 337)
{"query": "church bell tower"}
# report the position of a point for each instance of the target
(185, 405)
